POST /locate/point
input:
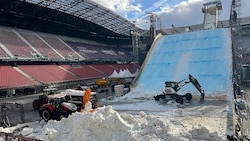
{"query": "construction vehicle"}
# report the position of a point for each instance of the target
(76, 97)
(43, 98)
(171, 89)
(63, 104)
(104, 83)
(73, 96)
(56, 108)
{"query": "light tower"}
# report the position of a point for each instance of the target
(211, 13)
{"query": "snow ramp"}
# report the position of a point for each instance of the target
(205, 54)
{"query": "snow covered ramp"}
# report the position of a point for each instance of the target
(205, 54)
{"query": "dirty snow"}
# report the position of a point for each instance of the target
(136, 121)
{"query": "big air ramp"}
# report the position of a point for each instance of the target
(206, 54)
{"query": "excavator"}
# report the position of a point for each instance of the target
(171, 89)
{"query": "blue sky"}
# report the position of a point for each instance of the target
(176, 12)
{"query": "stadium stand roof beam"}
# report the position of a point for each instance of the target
(92, 12)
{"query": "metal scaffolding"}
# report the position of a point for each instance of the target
(235, 25)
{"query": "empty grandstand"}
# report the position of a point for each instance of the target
(79, 40)
(62, 43)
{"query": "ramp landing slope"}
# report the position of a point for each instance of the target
(207, 55)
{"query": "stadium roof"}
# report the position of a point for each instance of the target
(92, 12)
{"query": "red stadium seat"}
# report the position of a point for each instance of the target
(12, 78)
(84, 71)
(15, 44)
(40, 46)
(48, 73)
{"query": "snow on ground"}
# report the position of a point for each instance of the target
(136, 120)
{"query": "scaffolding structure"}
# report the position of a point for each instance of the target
(242, 116)
(235, 25)
(211, 12)
(155, 23)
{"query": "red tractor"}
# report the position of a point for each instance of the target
(43, 98)
(63, 104)
(56, 108)
(72, 96)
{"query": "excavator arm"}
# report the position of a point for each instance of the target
(197, 86)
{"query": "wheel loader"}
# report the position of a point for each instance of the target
(171, 89)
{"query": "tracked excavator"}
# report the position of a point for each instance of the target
(171, 89)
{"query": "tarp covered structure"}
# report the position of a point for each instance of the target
(206, 54)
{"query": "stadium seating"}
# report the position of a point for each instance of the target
(54, 48)
(23, 44)
(111, 53)
(15, 44)
(84, 71)
(40, 46)
(116, 54)
(89, 52)
(100, 52)
(128, 53)
(12, 78)
(60, 47)
(105, 68)
(48, 73)
(3, 54)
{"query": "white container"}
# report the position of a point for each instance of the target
(119, 90)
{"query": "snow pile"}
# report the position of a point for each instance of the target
(107, 124)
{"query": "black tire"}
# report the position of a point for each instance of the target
(94, 101)
(179, 99)
(188, 96)
(61, 116)
(36, 104)
(94, 104)
(158, 97)
(45, 114)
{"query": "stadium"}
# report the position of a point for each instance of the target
(67, 44)
(88, 48)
